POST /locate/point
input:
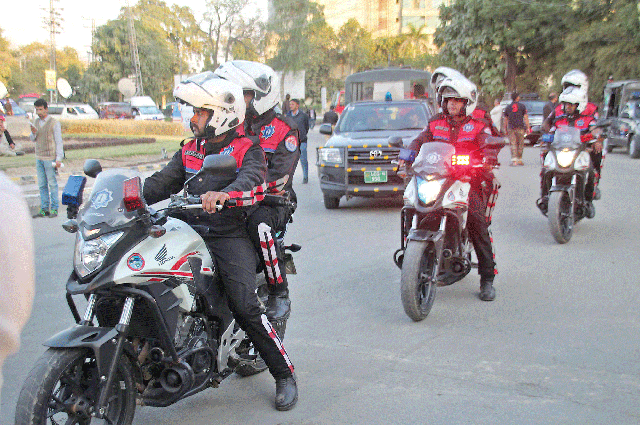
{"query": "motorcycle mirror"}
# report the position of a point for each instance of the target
(220, 164)
(396, 142)
(92, 168)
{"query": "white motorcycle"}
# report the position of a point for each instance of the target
(157, 327)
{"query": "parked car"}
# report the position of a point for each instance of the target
(16, 110)
(73, 111)
(358, 159)
(144, 108)
(115, 110)
(621, 116)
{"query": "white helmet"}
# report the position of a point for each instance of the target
(254, 76)
(458, 87)
(224, 98)
(442, 72)
(575, 95)
(575, 77)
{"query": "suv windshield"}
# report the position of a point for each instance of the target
(376, 117)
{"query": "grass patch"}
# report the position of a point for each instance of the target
(146, 151)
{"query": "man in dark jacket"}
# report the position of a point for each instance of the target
(219, 109)
(302, 121)
(330, 116)
(517, 125)
(278, 138)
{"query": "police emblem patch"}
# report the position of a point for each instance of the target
(267, 131)
(467, 127)
(579, 123)
(291, 143)
(102, 199)
(227, 151)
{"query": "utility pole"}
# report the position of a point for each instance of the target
(135, 59)
(53, 23)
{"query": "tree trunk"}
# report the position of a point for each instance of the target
(510, 72)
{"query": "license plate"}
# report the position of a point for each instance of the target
(375, 176)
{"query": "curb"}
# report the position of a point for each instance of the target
(33, 179)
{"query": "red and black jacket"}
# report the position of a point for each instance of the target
(441, 128)
(582, 122)
(279, 139)
(246, 187)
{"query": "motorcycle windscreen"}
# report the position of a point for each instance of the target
(434, 158)
(566, 138)
(105, 206)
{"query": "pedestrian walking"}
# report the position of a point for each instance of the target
(517, 124)
(302, 121)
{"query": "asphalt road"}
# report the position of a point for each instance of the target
(559, 345)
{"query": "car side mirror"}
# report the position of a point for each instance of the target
(625, 115)
(396, 142)
(326, 129)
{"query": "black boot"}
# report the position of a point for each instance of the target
(590, 209)
(487, 291)
(286, 393)
(278, 305)
(543, 204)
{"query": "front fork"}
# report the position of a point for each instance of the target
(571, 191)
(123, 329)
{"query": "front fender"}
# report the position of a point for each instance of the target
(425, 235)
(102, 341)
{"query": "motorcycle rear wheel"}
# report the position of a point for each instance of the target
(63, 388)
(560, 216)
(417, 285)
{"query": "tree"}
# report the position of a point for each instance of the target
(610, 32)
(495, 43)
(7, 60)
(355, 46)
(415, 43)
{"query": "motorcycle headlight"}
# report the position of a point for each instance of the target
(89, 255)
(331, 155)
(565, 157)
(583, 161)
(428, 190)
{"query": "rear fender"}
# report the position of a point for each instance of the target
(102, 341)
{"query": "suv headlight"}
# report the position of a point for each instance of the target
(331, 155)
(89, 255)
(565, 157)
(428, 190)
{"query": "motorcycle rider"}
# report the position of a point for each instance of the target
(456, 125)
(574, 103)
(278, 137)
(218, 110)
(579, 79)
(439, 75)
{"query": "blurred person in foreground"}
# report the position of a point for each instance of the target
(7, 145)
(16, 267)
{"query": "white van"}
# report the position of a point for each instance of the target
(144, 108)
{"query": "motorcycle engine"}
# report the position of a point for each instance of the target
(192, 334)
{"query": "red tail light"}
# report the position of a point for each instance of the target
(132, 195)
(460, 160)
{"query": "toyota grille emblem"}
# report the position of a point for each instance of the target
(374, 153)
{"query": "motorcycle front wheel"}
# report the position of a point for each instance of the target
(417, 279)
(63, 388)
(560, 216)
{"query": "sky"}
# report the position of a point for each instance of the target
(22, 21)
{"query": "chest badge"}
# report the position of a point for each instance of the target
(227, 151)
(467, 128)
(267, 131)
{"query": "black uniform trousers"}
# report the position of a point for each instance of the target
(478, 228)
(276, 217)
(235, 259)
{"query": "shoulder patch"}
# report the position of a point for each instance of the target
(291, 143)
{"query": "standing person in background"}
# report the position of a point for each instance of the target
(330, 117)
(496, 114)
(550, 106)
(7, 145)
(302, 121)
(16, 268)
(517, 124)
(285, 105)
(47, 134)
